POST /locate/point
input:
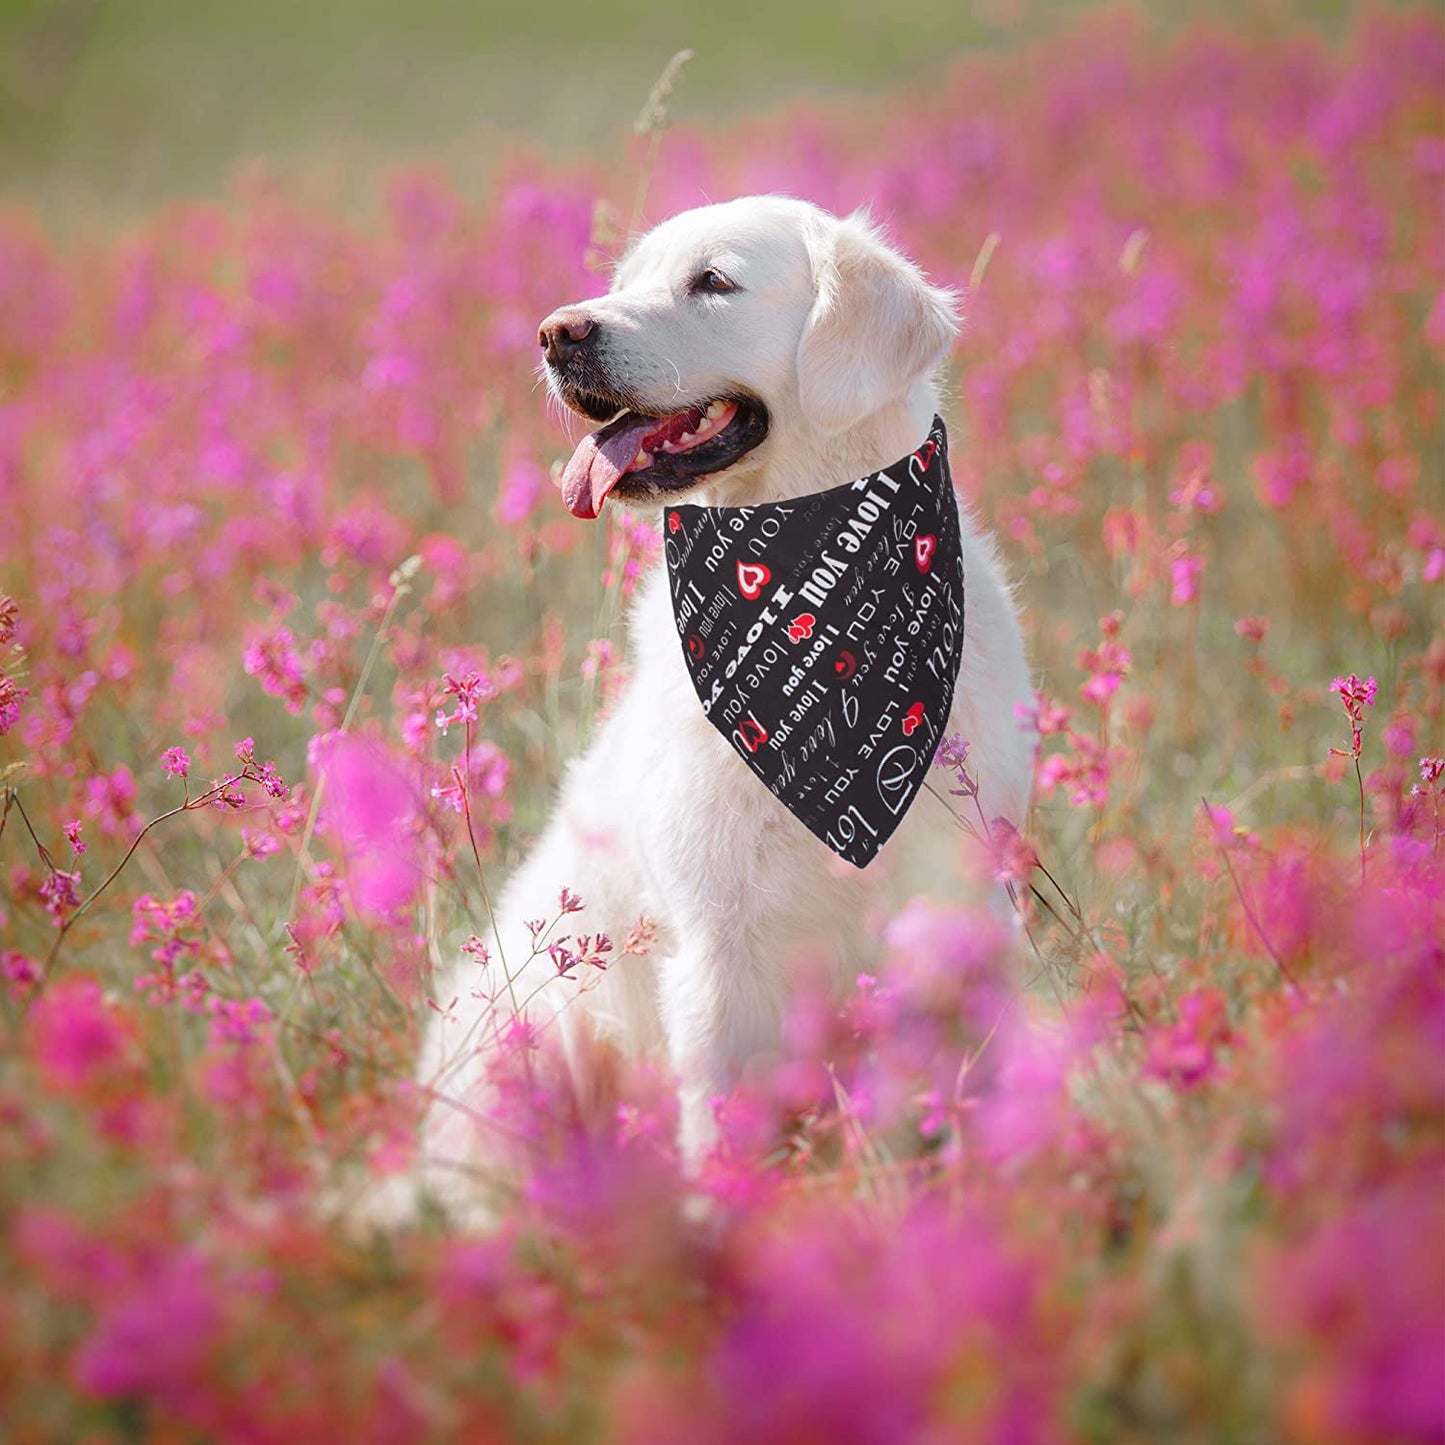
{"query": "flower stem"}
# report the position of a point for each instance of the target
(1360, 778)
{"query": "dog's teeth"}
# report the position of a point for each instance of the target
(686, 437)
(642, 459)
(716, 410)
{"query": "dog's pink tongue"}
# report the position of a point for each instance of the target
(597, 466)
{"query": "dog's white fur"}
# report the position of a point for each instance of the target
(839, 336)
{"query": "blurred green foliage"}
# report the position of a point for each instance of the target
(108, 106)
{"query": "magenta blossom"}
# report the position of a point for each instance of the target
(76, 1035)
(372, 803)
(1356, 696)
(1185, 1054)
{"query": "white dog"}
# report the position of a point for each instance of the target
(778, 351)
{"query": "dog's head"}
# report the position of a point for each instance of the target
(731, 331)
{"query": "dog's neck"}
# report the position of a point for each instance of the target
(820, 462)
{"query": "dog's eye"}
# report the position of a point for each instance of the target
(711, 282)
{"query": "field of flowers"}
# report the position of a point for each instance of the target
(274, 494)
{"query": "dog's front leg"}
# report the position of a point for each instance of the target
(758, 901)
(722, 1002)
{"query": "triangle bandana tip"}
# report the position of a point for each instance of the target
(823, 637)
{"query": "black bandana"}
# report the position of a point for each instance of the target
(823, 636)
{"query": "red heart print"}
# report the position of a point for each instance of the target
(912, 719)
(801, 626)
(674, 522)
(924, 454)
(695, 648)
(751, 734)
(845, 665)
(923, 549)
(752, 578)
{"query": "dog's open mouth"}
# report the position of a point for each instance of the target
(638, 455)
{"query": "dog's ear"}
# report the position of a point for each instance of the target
(876, 325)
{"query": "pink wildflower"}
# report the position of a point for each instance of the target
(952, 751)
(953, 757)
(599, 658)
(272, 658)
(263, 773)
(61, 893)
(1107, 665)
(522, 486)
(171, 928)
(110, 800)
(1184, 573)
(1224, 831)
(260, 842)
(453, 794)
(372, 803)
(1197, 490)
(568, 954)
(20, 972)
(237, 1021)
(151, 1342)
(1083, 772)
(1044, 717)
(1356, 696)
(1185, 1054)
(470, 692)
(1014, 857)
(12, 695)
(76, 1034)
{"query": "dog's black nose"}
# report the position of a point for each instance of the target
(562, 334)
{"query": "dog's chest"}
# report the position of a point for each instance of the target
(695, 813)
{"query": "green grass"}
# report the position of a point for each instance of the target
(108, 107)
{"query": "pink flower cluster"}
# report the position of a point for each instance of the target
(12, 695)
(1356, 696)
